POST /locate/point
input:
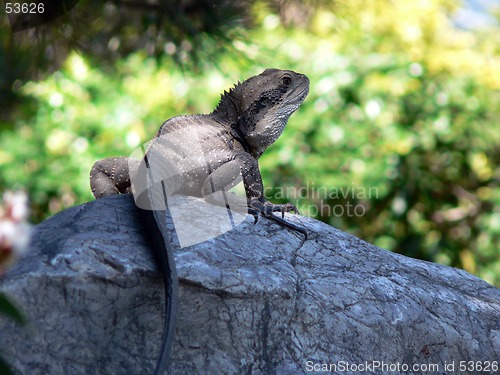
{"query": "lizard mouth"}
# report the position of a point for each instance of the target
(301, 95)
(286, 110)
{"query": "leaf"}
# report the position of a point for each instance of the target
(4, 368)
(7, 308)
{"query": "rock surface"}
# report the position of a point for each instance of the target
(255, 300)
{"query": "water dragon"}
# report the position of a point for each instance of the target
(229, 141)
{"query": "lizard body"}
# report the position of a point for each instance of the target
(203, 154)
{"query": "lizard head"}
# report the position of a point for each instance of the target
(258, 108)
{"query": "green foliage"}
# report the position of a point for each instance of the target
(8, 309)
(397, 142)
(4, 368)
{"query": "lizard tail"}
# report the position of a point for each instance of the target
(156, 228)
(159, 236)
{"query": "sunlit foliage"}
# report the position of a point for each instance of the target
(397, 143)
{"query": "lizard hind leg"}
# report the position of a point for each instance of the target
(110, 176)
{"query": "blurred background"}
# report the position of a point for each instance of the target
(397, 143)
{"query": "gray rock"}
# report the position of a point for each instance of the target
(255, 300)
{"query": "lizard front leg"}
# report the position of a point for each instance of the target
(254, 188)
(245, 167)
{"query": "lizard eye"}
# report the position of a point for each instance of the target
(286, 80)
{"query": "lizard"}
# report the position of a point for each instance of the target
(229, 141)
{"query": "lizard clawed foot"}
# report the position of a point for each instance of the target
(257, 207)
(266, 208)
(287, 207)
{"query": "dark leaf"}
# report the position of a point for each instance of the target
(4, 368)
(7, 308)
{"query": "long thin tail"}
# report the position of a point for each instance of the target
(155, 225)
